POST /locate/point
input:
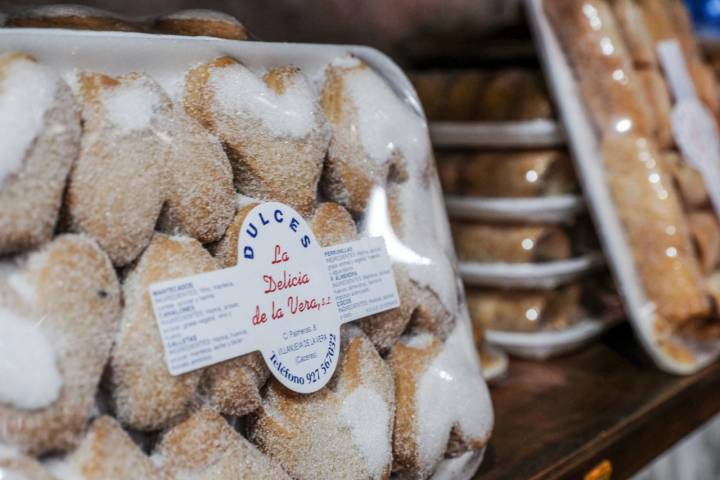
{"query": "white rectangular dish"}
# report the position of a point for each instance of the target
(589, 166)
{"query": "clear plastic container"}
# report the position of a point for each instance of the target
(180, 137)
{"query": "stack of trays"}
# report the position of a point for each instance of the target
(528, 254)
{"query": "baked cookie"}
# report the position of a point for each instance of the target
(205, 447)
(14, 465)
(59, 311)
(40, 139)
(106, 452)
(376, 135)
(137, 156)
(705, 235)
(201, 22)
(144, 394)
(341, 431)
(74, 17)
(429, 376)
(272, 127)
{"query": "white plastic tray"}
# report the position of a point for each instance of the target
(553, 209)
(589, 166)
(462, 467)
(543, 345)
(544, 275)
(539, 133)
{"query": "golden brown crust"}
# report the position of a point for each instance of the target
(201, 23)
(705, 234)
(75, 17)
(656, 228)
(657, 91)
(332, 224)
(687, 180)
(524, 310)
(507, 174)
(477, 242)
(636, 34)
(593, 46)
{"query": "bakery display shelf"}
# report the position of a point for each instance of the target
(604, 406)
(557, 209)
(541, 133)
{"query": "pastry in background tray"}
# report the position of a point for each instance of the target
(636, 33)
(201, 22)
(271, 126)
(40, 136)
(656, 228)
(483, 96)
(76, 17)
(488, 243)
(524, 310)
(658, 93)
(59, 313)
(705, 234)
(590, 38)
(426, 371)
(687, 180)
(531, 173)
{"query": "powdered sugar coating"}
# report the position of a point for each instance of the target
(23, 344)
(366, 413)
(39, 139)
(27, 91)
(78, 298)
(130, 107)
(452, 378)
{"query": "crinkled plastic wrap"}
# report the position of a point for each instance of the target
(652, 191)
(129, 159)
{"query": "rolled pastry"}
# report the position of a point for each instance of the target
(431, 88)
(656, 228)
(376, 136)
(332, 225)
(429, 376)
(524, 310)
(705, 234)
(137, 156)
(635, 31)
(513, 95)
(74, 17)
(205, 447)
(687, 180)
(59, 312)
(355, 411)
(481, 242)
(589, 36)
(529, 173)
(463, 95)
(106, 452)
(201, 22)
(40, 138)
(660, 102)
(144, 394)
(272, 127)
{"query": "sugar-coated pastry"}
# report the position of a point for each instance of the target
(205, 447)
(200, 198)
(656, 228)
(591, 41)
(660, 102)
(485, 242)
(342, 431)
(705, 234)
(635, 32)
(271, 126)
(332, 224)
(39, 141)
(59, 312)
(528, 173)
(106, 452)
(144, 394)
(225, 251)
(16, 466)
(375, 135)
(429, 376)
(524, 310)
(201, 22)
(137, 155)
(687, 180)
(75, 17)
